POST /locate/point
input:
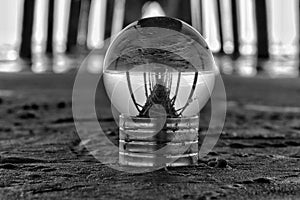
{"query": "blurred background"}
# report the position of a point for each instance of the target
(248, 37)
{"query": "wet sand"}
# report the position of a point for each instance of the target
(42, 157)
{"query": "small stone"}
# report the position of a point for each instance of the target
(221, 163)
(275, 116)
(61, 105)
(263, 180)
(17, 124)
(257, 180)
(185, 196)
(34, 106)
(26, 107)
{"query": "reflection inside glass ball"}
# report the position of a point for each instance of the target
(159, 66)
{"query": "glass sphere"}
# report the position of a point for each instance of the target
(159, 65)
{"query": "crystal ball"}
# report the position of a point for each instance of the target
(159, 65)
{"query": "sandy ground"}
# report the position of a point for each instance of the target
(41, 156)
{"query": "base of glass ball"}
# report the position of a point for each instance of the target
(158, 142)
